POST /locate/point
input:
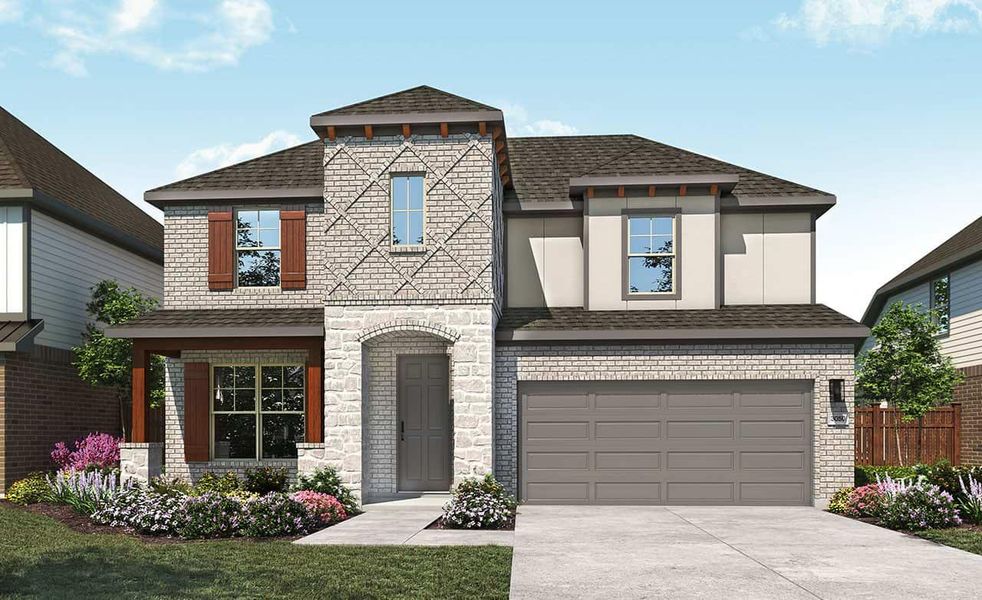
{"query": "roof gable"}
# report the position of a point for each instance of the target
(420, 99)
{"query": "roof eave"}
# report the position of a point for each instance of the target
(164, 197)
(683, 335)
(26, 339)
(408, 118)
(817, 203)
(137, 332)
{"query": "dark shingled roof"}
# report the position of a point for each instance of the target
(27, 160)
(297, 167)
(414, 100)
(767, 316)
(16, 335)
(214, 322)
(963, 246)
(543, 166)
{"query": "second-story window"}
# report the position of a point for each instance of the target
(651, 254)
(407, 210)
(257, 248)
(941, 303)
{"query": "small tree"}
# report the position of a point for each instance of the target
(905, 366)
(108, 362)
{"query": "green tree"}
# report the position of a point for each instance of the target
(905, 366)
(108, 362)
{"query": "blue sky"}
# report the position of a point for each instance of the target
(877, 101)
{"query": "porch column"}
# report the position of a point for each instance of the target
(140, 404)
(314, 418)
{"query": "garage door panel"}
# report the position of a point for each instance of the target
(666, 442)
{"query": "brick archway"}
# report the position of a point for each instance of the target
(446, 334)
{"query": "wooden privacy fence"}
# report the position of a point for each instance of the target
(927, 440)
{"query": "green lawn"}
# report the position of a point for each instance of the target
(965, 539)
(41, 558)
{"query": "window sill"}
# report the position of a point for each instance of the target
(408, 249)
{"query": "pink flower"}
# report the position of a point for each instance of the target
(100, 450)
(324, 506)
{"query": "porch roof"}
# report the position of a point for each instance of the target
(224, 323)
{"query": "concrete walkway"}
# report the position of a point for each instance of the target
(404, 522)
(733, 552)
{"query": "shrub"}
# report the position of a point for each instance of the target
(144, 511)
(839, 500)
(948, 477)
(223, 484)
(325, 507)
(867, 474)
(85, 491)
(99, 450)
(264, 480)
(276, 514)
(971, 500)
(209, 515)
(917, 505)
(479, 503)
(170, 486)
(865, 501)
(29, 490)
(327, 481)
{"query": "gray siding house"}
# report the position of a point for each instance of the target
(416, 297)
(948, 280)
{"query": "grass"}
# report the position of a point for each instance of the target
(42, 558)
(969, 540)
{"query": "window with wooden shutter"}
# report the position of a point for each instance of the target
(221, 250)
(293, 241)
(196, 412)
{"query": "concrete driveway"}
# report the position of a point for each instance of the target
(727, 553)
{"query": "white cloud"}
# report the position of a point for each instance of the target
(190, 37)
(223, 155)
(11, 10)
(518, 121)
(872, 22)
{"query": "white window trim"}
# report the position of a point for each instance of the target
(277, 248)
(392, 210)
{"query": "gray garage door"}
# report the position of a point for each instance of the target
(666, 443)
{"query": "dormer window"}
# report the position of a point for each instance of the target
(257, 248)
(651, 255)
(407, 213)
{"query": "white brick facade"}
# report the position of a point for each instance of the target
(833, 446)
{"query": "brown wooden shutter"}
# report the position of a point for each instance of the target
(196, 399)
(221, 250)
(293, 254)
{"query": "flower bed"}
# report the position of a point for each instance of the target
(478, 504)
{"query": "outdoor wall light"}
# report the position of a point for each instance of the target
(835, 390)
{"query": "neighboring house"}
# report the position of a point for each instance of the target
(416, 297)
(948, 280)
(62, 230)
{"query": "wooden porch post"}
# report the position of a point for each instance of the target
(138, 424)
(315, 398)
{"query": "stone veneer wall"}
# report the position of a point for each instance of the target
(380, 408)
(186, 262)
(467, 331)
(833, 459)
(42, 401)
(174, 463)
(969, 393)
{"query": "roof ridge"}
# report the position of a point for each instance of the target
(238, 164)
(418, 88)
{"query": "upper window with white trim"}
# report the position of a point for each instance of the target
(407, 214)
(651, 254)
(257, 248)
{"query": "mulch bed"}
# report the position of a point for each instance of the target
(439, 524)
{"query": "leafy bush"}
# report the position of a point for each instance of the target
(223, 484)
(209, 515)
(479, 503)
(867, 474)
(971, 499)
(29, 490)
(85, 491)
(264, 480)
(99, 450)
(327, 481)
(865, 501)
(242, 495)
(910, 505)
(276, 514)
(947, 477)
(144, 511)
(170, 486)
(837, 503)
(325, 507)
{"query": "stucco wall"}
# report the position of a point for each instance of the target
(767, 258)
(545, 261)
(833, 446)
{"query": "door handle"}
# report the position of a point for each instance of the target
(402, 430)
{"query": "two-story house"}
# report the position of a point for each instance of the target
(62, 230)
(416, 297)
(948, 280)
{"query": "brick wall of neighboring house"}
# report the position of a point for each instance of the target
(969, 393)
(833, 452)
(43, 401)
